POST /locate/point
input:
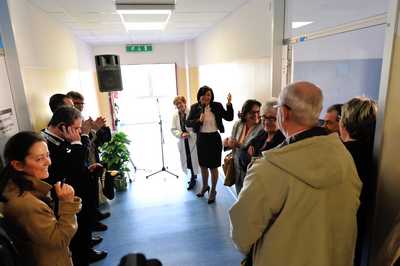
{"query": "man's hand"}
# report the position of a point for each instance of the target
(99, 123)
(71, 134)
(64, 192)
(86, 126)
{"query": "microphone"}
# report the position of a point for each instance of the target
(203, 108)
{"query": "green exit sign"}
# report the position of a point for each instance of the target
(139, 48)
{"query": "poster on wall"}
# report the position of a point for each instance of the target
(8, 118)
(1, 47)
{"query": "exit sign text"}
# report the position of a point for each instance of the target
(139, 48)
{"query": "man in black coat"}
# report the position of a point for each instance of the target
(69, 164)
(98, 135)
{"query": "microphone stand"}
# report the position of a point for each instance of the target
(163, 169)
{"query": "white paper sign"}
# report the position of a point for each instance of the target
(8, 119)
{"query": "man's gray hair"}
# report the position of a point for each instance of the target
(269, 105)
(305, 101)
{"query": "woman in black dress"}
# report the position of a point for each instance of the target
(205, 117)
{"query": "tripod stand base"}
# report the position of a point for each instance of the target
(163, 169)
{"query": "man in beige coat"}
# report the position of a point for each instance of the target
(299, 202)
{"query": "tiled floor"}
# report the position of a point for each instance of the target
(161, 219)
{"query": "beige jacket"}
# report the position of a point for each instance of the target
(41, 239)
(298, 205)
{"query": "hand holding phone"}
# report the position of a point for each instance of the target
(69, 133)
(64, 192)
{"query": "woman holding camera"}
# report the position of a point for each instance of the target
(205, 117)
(41, 236)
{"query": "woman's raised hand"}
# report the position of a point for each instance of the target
(64, 192)
(229, 98)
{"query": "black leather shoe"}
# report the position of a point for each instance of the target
(192, 184)
(99, 227)
(95, 240)
(102, 215)
(96, 255)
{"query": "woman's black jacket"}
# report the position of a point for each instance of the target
(218, 110)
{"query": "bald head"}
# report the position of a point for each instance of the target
(304, 99)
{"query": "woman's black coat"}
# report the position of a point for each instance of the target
(218, 110)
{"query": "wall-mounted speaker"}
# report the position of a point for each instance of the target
(108, 73)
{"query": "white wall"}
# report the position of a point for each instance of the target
(235, 55)
(362, 44)
(52, 61)
(162, 53)
(244, 34)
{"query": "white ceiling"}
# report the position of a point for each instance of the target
(97, 22)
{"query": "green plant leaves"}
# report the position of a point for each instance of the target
(115, 153)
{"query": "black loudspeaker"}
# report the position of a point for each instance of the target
(108, 73)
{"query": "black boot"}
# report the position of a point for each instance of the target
(192, 183)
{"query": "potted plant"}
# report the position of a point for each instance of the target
(115, 157)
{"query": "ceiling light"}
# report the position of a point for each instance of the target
(139, 5)
(145, 26)
(144, 11)
(299, 24)
(138, 16)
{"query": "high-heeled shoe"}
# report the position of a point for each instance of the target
(211, 196)
(203, 191)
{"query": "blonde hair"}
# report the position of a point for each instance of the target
(269, 105)
(359, 117)
(179, 98)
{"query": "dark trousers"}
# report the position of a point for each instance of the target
(189, 164)
(80, 243)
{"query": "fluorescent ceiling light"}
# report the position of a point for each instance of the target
(145, 26)
(138, 16)
(299, 24)
(144, 11)
(138, 6)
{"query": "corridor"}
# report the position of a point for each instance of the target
(160, 218)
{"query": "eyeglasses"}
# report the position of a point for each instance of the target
(254, 112)
(268, 118)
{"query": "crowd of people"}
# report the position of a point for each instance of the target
(51, 184)
(304, 188)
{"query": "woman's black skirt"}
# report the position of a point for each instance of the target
(209, 149)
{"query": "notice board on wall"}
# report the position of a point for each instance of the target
(8, 118)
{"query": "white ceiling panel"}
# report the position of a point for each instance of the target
(48, 5)
(97, 22)
(192, 17)
(62, 17)
(145, 17)
(225, 6)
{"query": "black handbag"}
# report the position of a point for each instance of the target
(108, 185)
